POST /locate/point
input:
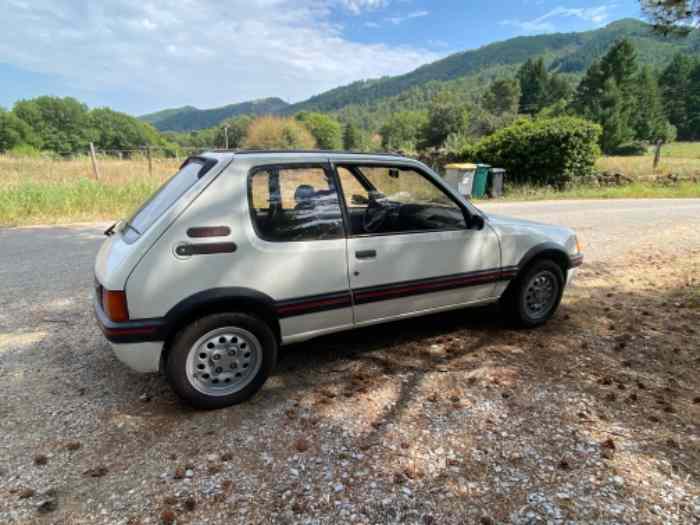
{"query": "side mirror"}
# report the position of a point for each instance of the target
(476, 222)
(359, 200)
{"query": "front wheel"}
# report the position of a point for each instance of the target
(221, 359)
(534, 296)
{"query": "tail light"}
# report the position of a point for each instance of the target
(114, 305)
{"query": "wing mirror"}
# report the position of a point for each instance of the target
(359, 200)
(475, 222)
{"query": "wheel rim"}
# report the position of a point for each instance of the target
(541, 294)
(224, 361)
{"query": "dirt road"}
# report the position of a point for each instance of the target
(448, 419)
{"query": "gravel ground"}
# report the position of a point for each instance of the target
(453, 418)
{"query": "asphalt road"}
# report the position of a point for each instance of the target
(56, 261)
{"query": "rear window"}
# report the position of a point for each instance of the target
(190, 172)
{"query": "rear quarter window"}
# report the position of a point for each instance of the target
(168, 194)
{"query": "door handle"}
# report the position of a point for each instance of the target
(366, 254)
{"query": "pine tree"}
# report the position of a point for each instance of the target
(352, 137)
(534, 82)
(612, 117)
(589, 92)
(649, 120)
(674, 85)
(694, 104)
(502, 96)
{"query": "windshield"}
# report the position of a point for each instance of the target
(168, 194)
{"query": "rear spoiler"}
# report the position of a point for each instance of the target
(206, 163)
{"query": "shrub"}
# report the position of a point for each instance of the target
(278, 133)
(326, 130)
(632, 149)
(552, 151)
(25, 151)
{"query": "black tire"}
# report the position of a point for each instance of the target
(176, 365)
(515, 300)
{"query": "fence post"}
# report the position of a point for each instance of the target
(93, 158)
(657, 153)
(150, 161)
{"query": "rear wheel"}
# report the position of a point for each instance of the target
(534, 296)
(221, 359)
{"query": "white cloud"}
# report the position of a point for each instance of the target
(544, 24)
(202, 52)
(358, 6)
(400, 19)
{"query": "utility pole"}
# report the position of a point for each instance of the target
(226, 134)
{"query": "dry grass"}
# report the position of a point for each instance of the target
(641, 168)
(36, 191)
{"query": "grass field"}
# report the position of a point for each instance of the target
(45, 191)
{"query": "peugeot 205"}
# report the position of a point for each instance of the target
(240, 253)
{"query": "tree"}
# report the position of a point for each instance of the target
(402, 131)
(672, 16)
(534, 80)
(694, 104)
(15, 132)
(608, 95)
(111, 130)
(502, 96)
(352, 138)
(278, 133)
(326, 130)
(613, 118)
(61, 124)
(445, 117)
(650, 123)
(675, 91)
(237, 131)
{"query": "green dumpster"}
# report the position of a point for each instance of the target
(481, 176)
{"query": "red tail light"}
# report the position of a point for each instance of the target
(114, 304)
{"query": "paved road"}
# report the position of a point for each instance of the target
(58, 260)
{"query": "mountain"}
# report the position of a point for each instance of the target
(189, 118)
(564, 52)
(368, 102)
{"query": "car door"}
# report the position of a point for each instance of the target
(409, 249)
(298, 247)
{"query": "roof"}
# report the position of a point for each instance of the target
(308, 153)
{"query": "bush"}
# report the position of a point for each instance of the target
(552, 151)
(632, 149)
(278, 133)
(24, 151)
(326, 130)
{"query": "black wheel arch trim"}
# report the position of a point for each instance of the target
(550, 248)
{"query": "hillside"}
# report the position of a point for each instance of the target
(189, 118)
(569, 53)
(565, 52)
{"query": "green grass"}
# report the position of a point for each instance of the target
(74, 201)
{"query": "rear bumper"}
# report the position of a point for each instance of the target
(138, 331)
(140, 357)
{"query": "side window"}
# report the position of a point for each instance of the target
(388, 199)
(294, 203)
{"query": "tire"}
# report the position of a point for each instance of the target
(221, 360)
(521, 300)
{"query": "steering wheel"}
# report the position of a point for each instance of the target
(376, 213)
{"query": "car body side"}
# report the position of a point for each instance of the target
(165, 291)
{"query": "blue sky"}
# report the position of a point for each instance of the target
(144, 55)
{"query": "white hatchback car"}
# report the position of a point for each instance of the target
(241, 252)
